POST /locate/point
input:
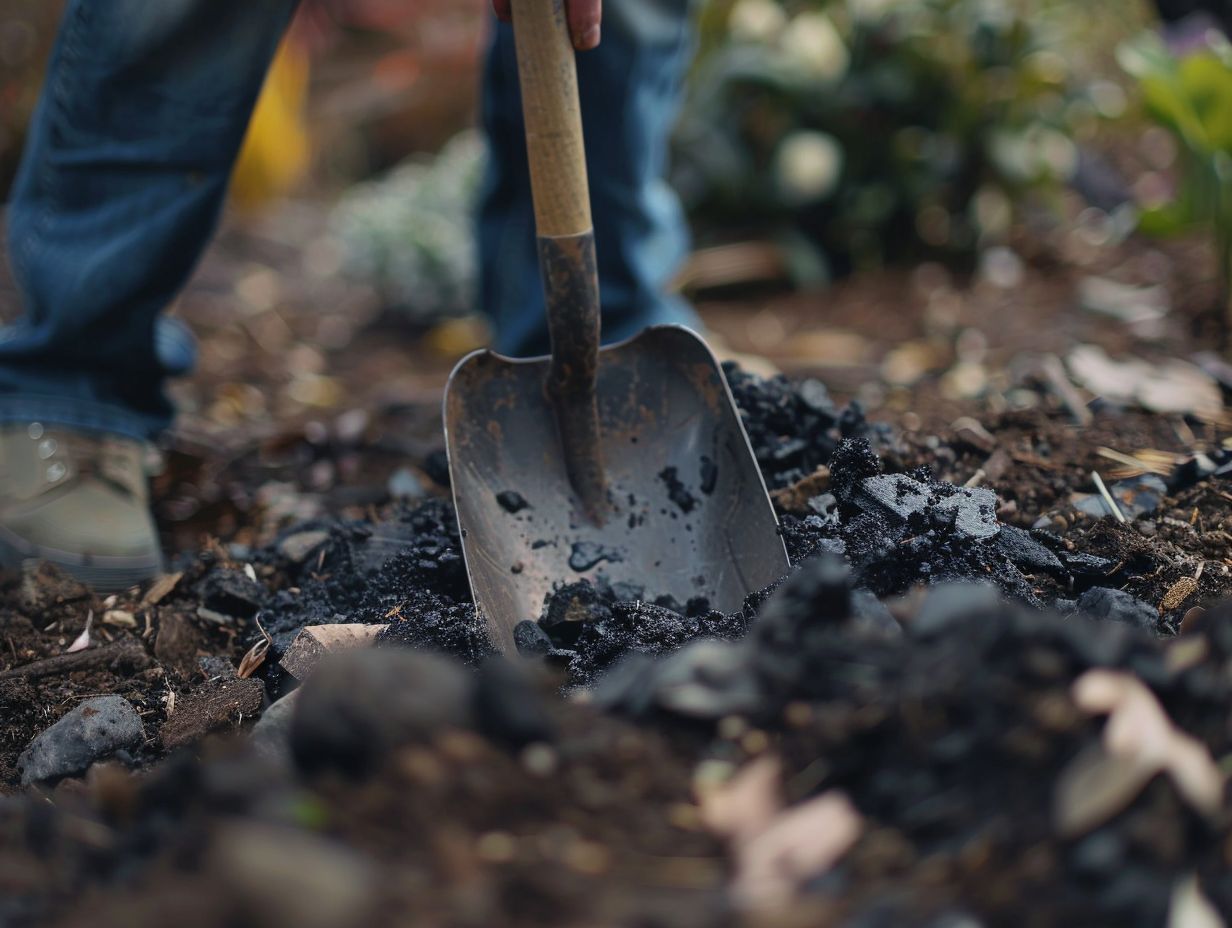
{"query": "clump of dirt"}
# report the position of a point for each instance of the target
(794, 428)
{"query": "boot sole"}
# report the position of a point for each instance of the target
(103, 573)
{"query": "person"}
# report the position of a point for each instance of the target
(122, 180)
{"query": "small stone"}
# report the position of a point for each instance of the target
(1026, 553)
(531, 640)
(403, 484)
(298, 546)
(1102, 602)
(96, 729)
(512, 501)
(271, 736)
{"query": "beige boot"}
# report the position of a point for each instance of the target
(79, 500)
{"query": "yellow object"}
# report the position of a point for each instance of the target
(276, 151)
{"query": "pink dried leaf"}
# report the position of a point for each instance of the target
(800, 845)
(745, 805)
(82, 641)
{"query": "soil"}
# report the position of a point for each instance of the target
(573, 791)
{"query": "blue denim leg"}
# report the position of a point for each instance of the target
(124, 173)
(629, 90)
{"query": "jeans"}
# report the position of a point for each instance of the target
(130, 151)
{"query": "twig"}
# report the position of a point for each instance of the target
(976, 479)
(1103, 491)
(126, 653)
(1054, 371)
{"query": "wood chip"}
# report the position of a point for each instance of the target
(163, 587)
(1178, 593)
(795, 497)
(314, 642)
(119, 618)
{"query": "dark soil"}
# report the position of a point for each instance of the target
(566, 789)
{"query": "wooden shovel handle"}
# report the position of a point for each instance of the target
(547, 72)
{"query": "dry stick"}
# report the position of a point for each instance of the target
(125, 653)
(1103, 491)
(1054, 370)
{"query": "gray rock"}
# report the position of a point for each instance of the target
(271, 736)
(1101, 602)
(359, 705)
(974, 509)
(1027, 553)
(899, 495)
(94, 730)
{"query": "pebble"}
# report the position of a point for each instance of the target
(94, 730)
(271, 736)
(1103, 602)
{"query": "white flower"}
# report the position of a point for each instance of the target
(807, 167)
(812, 44)
(756, 20)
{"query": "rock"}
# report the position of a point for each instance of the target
(1137, 496)
(1026, 553)
(271, 736)
(299, 546)
(218, 704)
(974, 509)
(901, 496)
(530, 639)
(96, 729)
(315, 641)
(404, 484)
(361, 704)
(231, 593)
(1102, 602)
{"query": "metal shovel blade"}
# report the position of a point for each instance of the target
(689, 511)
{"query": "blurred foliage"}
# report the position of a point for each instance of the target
(876, 129)
(276, 151)
(411, 232)
(1191, 97)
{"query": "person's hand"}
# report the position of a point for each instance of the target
(584, 16)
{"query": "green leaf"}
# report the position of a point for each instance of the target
(1165, 221)
(1207, 83)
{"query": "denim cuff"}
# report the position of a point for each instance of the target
(84, 415)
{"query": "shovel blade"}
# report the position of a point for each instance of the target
(690, 514)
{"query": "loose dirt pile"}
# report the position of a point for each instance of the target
(944, 716)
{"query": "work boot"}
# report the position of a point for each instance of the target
(79, 500)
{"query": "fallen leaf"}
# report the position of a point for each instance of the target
(1139, 742)
(82, 641)
(161, 588)
(799, 845)
(746, 804)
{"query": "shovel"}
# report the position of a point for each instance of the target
(627, 464)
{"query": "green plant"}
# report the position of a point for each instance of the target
(1191, 96)
(884, 128)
